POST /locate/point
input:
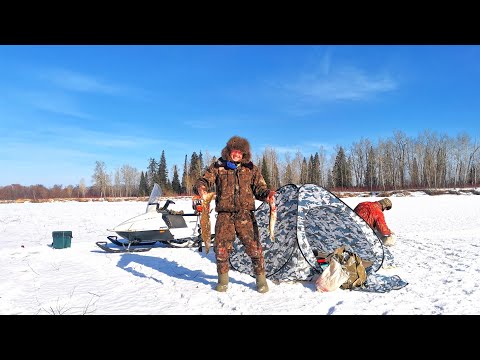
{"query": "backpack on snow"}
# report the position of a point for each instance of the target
(353, 265)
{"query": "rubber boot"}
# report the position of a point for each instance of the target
(262, 286)
(222, 282)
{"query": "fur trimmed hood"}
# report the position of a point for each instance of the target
(237, 143)
(386, 204)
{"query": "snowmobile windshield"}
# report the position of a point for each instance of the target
(155, 195)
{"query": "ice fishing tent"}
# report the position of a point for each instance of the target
(310, 219)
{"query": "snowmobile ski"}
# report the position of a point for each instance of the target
(114, 240)
(124, 249)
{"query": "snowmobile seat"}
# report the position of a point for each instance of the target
(174, 221)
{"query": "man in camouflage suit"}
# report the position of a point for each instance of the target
(238, 183)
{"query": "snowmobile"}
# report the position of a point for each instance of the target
(159, 224)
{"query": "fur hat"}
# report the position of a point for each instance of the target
(386, 204)
(237, 143)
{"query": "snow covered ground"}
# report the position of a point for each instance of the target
(437, 252)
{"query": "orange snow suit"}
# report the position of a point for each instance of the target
(371, 212)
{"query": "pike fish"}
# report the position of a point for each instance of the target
(205, 221)
(273, 220)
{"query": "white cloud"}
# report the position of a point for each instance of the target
(333, 81)
(75, 81)
(56, 103)
(344, 84)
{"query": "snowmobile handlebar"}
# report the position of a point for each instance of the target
(165, 206)
(168, 202)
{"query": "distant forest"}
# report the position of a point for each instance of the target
(429, 161)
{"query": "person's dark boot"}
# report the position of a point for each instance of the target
(261, 280)
(222, 282)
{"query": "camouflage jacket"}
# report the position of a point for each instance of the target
(371, 212)
(236, 189)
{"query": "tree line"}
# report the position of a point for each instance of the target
(428, 161)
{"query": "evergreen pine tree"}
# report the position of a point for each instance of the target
(288, 175)
(143, 187)
(342, 174)
(195, 169)
(304, 172)
(265, 172)
(201, 164)
(316, 170)
(151, 173)
(176, 187)
(163, 172)
(185, 178)
(310, 170)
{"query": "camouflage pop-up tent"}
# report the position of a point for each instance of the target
(310, 219)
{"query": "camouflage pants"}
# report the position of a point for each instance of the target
(244, 226)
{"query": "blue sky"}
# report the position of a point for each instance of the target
(62, 108)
